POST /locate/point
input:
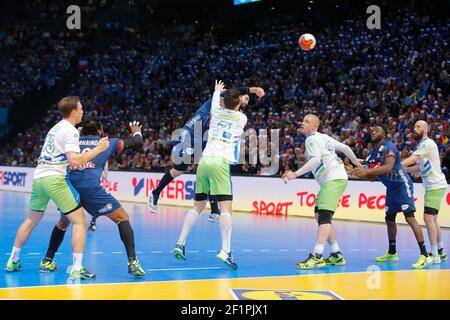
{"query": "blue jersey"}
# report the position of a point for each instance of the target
(399, 186)
(398, 178)
(89, 173)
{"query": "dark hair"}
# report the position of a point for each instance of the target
(384, 129)
(67, 105)
(91, 126)
(232, 99)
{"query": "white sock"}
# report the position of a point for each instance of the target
(225, 230)
(434, 250)
(15, 254)
(334, 247)
(77, 261)
(318, 249)
(190, 219)
(440, 245)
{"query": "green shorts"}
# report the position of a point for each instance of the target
(213, 177)
(56, 188)
(330, 193)
(433, 198)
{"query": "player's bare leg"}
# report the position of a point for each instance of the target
(190, 219)
(48, 264)
(23, 233)
(430, 223)
(424, 259)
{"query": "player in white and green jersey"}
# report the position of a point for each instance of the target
(61, 149)
(213, 171)
(329, 171)
(426, 160)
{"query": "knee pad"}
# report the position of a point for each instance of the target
(431, 211)
(408, 214)
(389, 218)
(325, 217)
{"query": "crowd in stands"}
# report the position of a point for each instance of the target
(353, 80)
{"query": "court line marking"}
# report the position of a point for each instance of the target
(117, 252)
(34, 253)
(193, 251)
(156, 251)
(97, 252)
(214, 279)
(184, 269)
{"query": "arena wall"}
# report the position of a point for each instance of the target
(362, 200)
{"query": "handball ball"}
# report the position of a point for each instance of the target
(307, 41)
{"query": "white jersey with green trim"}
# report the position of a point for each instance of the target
(225, 132)
(430, 165)
(62, 138)
(331, 166)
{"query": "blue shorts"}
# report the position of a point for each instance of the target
(96, 201)
(400, 200)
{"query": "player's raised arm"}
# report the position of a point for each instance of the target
(218, 88)
(345, 149)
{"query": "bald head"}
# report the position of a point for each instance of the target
(310, 124)
(421, 130)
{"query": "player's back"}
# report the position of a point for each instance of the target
(224, 135)
(61, 138)
(89, 173)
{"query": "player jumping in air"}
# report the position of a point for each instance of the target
(85, 178)
(186, 145)
(213, 172)
(384, 163)
(426, 160)
(329, 171)
(61, 149)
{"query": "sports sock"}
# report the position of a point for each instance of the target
(318, 250)
(15, 254)
(127, 237)
(225, 224)
(77, 261)
(56, 239)
(392, 247)
(166, 179)
(189, 221)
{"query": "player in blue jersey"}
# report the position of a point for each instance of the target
(384, 163)
(192, 139)
(95, 200)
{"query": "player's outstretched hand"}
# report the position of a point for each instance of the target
(288, 175)
(219, 86)
(103, 144)
(135, 127)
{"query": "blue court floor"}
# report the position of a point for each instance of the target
(263, 246)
